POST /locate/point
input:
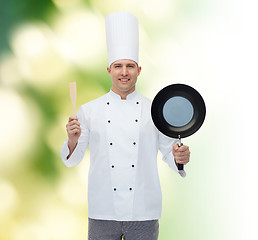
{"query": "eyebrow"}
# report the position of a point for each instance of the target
(119, 64)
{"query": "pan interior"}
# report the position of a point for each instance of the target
(178, 111)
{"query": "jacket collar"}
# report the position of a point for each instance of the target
(131, 96)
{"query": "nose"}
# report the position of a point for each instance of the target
(124, 71)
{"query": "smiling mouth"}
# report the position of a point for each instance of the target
(124, 79)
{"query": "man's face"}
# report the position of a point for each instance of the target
(124, 75)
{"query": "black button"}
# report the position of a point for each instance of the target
(136, 120)
(112, 166)
(114, 189)
(109, 121)
(111, 143)
(130, 189)
(132, 165)
(107, 103)
(137, 102)
(134, 143)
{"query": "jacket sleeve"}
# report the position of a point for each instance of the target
(82, 145)
(165, 147)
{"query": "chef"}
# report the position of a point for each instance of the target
(124, 194)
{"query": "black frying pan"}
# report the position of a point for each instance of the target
(178, 111)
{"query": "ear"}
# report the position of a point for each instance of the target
(139, 70)
(109, 70)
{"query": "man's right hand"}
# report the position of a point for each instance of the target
(73, 131)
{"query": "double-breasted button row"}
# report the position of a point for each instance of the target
(129, 189)
(113, 166)
(134, 143)
(136, 120)
(135, 102)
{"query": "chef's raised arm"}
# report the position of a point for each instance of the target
(166, 147)
(72, 157)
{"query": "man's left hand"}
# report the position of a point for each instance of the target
(181, 154)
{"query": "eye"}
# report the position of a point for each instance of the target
(117, 66)
(131, 66)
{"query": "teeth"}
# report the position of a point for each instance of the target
(124, 80)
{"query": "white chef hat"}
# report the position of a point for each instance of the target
(122, 36)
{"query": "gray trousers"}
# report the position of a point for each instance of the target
(127, 230)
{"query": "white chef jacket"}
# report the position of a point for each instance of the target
(123, 177)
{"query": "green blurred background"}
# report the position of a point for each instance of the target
(208, 44)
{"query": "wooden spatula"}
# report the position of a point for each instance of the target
(72, 87)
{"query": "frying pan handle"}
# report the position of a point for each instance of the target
(179, 165)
